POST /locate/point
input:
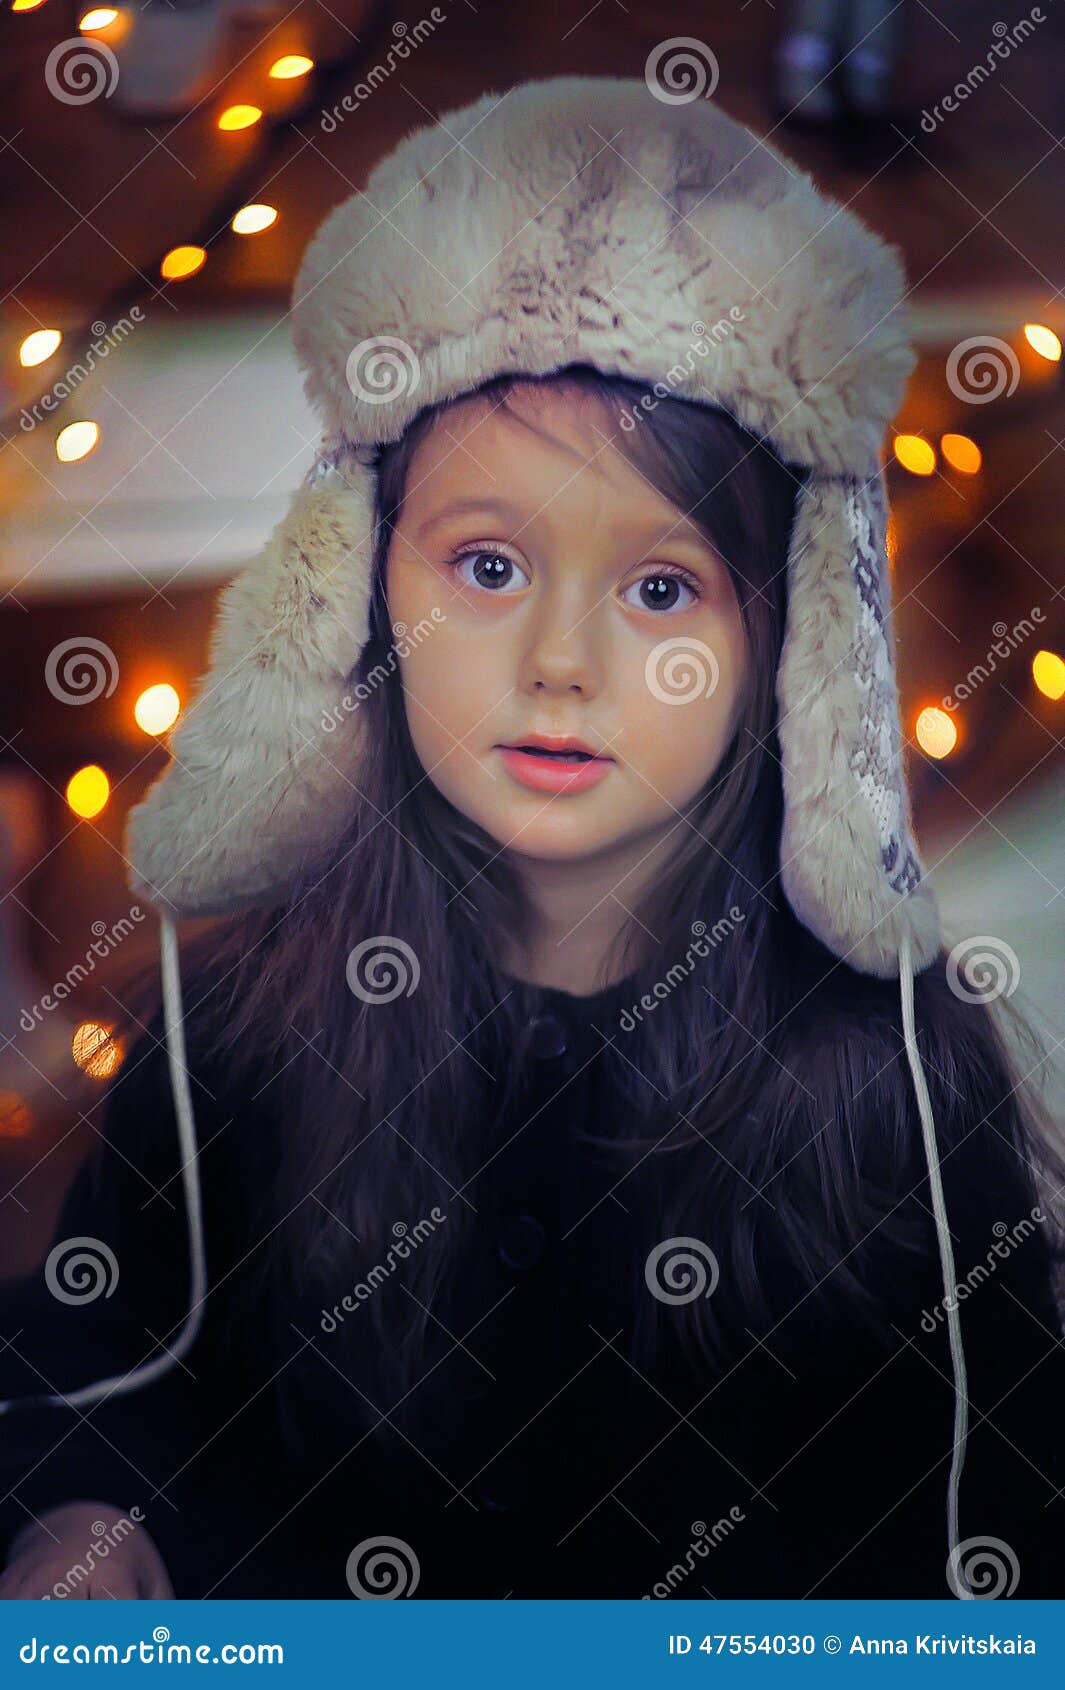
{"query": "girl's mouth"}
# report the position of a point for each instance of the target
(553, 771)
(542, 751)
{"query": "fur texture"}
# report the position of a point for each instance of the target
(257, 783)
(573, 220)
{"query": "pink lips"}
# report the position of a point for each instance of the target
(548, 774)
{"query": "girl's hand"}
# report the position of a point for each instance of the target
(90, 1550)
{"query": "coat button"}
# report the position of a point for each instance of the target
(522, 1243)
(548, 1037)
(502, 1486)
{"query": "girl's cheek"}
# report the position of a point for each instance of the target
(679, 706)
(684, 664)
(414, 585)
(452, 680)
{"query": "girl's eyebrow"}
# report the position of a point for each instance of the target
(456, 507)
(685, 534)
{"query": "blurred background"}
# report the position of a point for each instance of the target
(162, 167)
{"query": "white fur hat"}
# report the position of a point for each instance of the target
(573, 220)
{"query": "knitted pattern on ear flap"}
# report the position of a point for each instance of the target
(258, 779)
(848, 864)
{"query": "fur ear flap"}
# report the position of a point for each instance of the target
(266, 757)
(849, 866)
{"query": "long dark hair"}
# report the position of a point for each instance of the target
(782, 1079)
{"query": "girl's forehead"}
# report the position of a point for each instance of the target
(554, 420)
(544, 442)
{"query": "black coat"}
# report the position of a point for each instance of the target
(546, 1464)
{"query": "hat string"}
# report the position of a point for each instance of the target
(946, 1256)
(190, 1175)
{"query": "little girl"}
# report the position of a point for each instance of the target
(556, 1183)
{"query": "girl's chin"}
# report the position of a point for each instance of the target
(544, 840)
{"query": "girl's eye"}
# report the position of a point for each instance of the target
(661, 591)
(491, 570)
(497, 572)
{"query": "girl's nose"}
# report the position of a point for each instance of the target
(561, 651)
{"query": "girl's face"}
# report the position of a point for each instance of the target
(571, 601)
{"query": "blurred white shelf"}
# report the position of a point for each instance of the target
(204, 435)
